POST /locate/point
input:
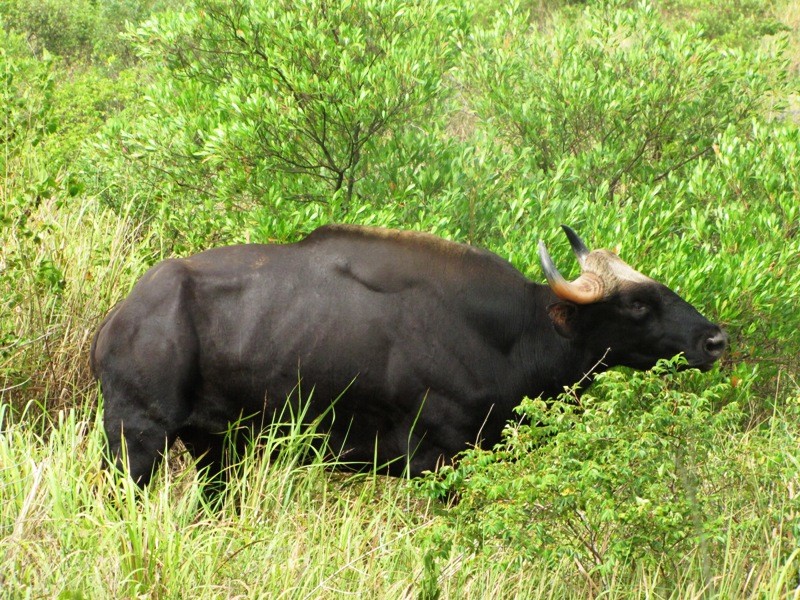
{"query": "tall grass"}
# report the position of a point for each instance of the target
(81, 261)
(291, 530)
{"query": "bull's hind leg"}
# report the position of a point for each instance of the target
(208, 451)
(215, 455)
(143, 449)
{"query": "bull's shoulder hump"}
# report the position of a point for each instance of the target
(419, 240)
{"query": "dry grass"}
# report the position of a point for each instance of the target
(97, 254)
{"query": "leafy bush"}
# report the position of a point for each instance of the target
(638, 470)
(623, 98)
(25, 98)
(62, 27)
(26, 103)
(46, 246)
(261, 103)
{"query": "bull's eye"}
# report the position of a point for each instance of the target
(639, 308)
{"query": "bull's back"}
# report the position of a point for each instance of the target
(380, 317)
(343, 297)
(311, 315)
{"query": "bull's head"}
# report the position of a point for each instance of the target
(613, 307)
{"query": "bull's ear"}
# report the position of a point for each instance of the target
(564, 316)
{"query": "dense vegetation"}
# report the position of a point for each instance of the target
(138, 129)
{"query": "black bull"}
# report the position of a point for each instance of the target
(427, 344)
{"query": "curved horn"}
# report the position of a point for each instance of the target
(578, 247)
(586, 289)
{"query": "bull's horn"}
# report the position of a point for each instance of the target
(586, 289)
(578, 247)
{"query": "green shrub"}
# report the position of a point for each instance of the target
(26, 105)
(25, 99)
(257, 104)
(62, 27)
(643, 469)
(626, 100)
(44, 248)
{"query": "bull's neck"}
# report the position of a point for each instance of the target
(550, 361)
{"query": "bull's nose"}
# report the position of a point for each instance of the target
(715, 345)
